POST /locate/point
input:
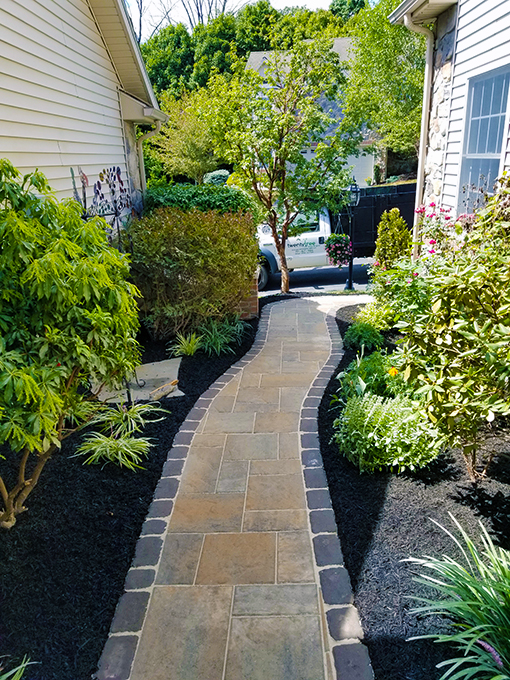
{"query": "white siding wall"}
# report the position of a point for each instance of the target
(59, 101)
(482, 45)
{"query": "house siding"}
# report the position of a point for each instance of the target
(59, 92)
(481, 46)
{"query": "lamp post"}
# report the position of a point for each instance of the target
(354, 196)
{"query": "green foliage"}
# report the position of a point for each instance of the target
(406, 288)
(363, 335)
(191, 266)
(376, 314)
(375, 433)
(16, 673)
(393, 238)
(67, 316)
(223, 199)
(218, 337)
(261, 123)
(378, 373)
(212, 44)
(169, 58)
(475, 594)
(345, 9)
(254, 27)
(385, 86)
(184, 146)
(218, 177)
(123, 451)
(185, 345)
(115, 442)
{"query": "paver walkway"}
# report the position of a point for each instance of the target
(243, 578)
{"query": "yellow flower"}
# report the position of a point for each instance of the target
(393, 371)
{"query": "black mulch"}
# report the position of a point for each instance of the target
(384, 518)
(63, 565)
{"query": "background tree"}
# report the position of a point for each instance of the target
(169, 58)
(345, 9)
(185, 145)
(262, 123)
(212, 48)
(68, 318)
(385, 85)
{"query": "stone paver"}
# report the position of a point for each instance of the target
(238, 574)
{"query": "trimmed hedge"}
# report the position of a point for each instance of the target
(202, 197)
(191, 266)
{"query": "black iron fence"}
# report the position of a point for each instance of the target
(367, 215)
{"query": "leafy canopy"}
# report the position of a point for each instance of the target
(385, 86)
(262, 123)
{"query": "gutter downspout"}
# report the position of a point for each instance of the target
(139, 149)
(425, 115)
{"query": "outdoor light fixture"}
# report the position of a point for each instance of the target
(354, 196)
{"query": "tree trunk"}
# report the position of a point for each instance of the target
(284, 269)
(14, 499)
(470, 456)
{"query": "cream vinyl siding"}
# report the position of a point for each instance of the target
(482, 46)
(59, 98)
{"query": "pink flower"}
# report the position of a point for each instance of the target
(432, 251)
(448, 217)
(376, 264)
(432, 241)
(408, 281)
(415, 274)
(432, 205)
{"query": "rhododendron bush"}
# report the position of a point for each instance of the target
(68, 318)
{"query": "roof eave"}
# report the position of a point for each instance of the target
(420, 11)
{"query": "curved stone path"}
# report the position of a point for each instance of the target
(238, 574)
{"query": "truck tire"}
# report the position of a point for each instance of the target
(263, 276)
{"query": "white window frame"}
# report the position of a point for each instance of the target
(470, 84)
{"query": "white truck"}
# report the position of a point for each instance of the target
(305, 250)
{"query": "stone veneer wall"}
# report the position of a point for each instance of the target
(440, 105)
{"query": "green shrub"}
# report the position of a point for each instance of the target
(185, 345)
(475, 594)
(376, 314)
(363, 335)
(378, 373)
(204, 197)
(406, 288)
(457, 350)
(217, 177)
(376, 433)
(68, 316)
(219, 336)
(393, 238)
(191, 266)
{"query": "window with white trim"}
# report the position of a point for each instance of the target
(483, 141)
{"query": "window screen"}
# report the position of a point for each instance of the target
(485, 126)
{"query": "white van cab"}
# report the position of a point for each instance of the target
(305, 250)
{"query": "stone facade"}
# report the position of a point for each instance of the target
(440, 104)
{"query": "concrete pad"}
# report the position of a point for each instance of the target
(150, 378)
(237, 558)
(275, 648)
(185, 634)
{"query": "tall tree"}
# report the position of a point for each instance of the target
(212, 47)
(261, 124)
(185, 145)
(385, 85)
(345, 9)
(169, 58)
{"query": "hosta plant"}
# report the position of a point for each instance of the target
(475, 595)
(68, 319)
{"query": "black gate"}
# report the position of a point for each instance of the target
(367, 215)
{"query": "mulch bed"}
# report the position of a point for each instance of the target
(63, 565)
(385, 518)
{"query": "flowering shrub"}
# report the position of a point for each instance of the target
(339, 249)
